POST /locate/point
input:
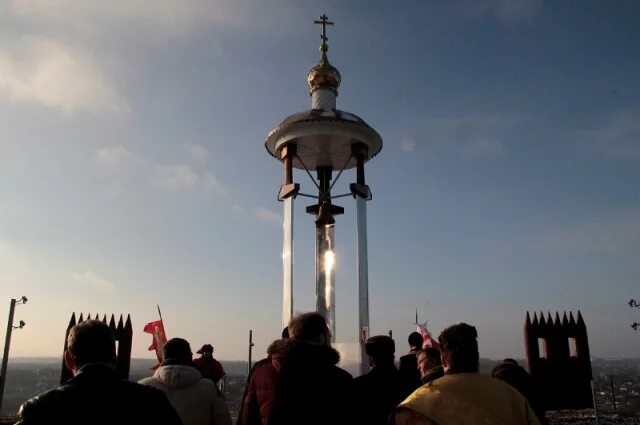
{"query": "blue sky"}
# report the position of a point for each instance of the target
(133, 170)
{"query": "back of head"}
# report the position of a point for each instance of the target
(415, 340)
(177, 351)
(459, 347)
(380, 349)
(309, 327)
(432, 355)
(206, 350)
(91, 341)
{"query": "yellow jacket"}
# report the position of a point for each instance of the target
(465, 399)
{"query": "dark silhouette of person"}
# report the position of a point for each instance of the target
(301, 384)
(464, 396)
(409, 362)
(96, 394)
(515, 375)
(429, 364)
(209, 367)
(380, 390)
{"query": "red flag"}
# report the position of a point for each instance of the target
(156, 329)
(428, 340)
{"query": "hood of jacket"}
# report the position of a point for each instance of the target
(295, 351)
(177, 376)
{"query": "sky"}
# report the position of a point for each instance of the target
(133, 171)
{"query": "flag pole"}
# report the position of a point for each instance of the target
(251, 344)
(160, 314)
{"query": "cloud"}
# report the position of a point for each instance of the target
(175, 177)
(210, 184)
(510, 12)
(473, 135)
(618, 136)
(407, 144)
(93, 281)
(198, 153)
(610, 232)
(268, 215)
(115, 156)
(123, 166)
(181, 177)
(54, 75)
(515, 11)
(161, 17)
(483, 147)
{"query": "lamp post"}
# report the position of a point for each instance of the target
(634, 303)
(7, 342)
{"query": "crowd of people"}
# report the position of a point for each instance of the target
(299, 382)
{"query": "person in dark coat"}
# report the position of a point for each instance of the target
(95, 394)
(515, 375)
(256, 365)
(301, 383)
(380, 390)
(409, 362)
(430, 364)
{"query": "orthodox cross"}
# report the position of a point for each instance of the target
(324, 21)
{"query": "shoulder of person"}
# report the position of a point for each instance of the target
(142, 390)
(207, 384)
(407, 358)
(342, 374)
(40, 401)
(148, 380)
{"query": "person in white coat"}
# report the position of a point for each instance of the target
(195, 399)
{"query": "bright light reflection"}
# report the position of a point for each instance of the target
(329, 261)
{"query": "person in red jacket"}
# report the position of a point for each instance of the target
(209, 367)
(300, 382)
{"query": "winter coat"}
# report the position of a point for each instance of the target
(409, 370)
(96, 395)
(301, 384)
(465, 399)
(516, 376)
(195, 399)
(377, 393)
(210, 368)
(255, 366)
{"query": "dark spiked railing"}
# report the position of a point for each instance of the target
(564, 372)
(123, 333)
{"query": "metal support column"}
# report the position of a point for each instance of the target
(287, 194)
(7, 343)
(362, 194)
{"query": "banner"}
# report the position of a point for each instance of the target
(156, 329)
(428, 340)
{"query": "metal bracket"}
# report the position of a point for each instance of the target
(361, 191)
(287, 190)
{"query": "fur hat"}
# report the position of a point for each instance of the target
(380, 345)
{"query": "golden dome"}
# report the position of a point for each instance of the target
(324, 75)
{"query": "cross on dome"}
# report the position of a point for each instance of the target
(324, 21)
